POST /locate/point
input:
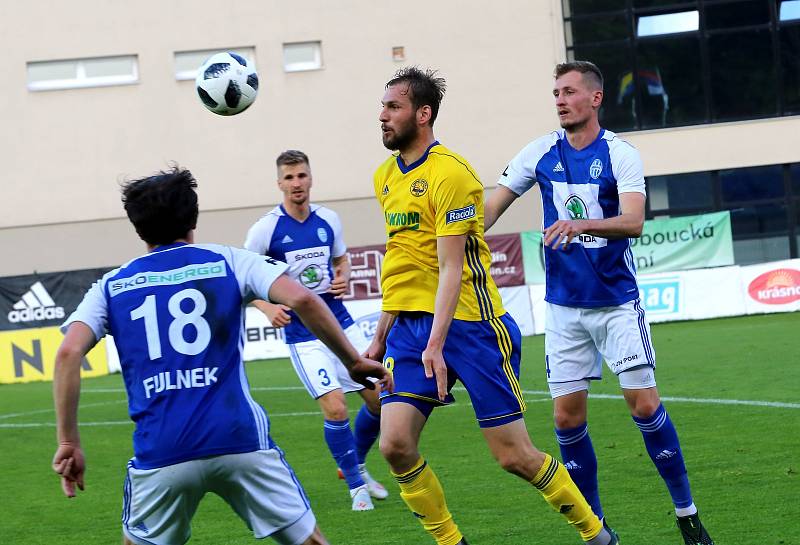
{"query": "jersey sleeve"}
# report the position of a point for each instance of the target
(259, 236)
(332, 219)
(92, 311)
(255, 273)
(626, 165)
(456, 201)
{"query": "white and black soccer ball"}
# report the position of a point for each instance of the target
(226, 83)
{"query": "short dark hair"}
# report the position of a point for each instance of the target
(586, 68)
(162, 207)
(292, 157)
(426, 88)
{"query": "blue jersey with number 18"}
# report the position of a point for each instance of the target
(177, 318)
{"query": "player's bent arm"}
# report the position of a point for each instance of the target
(628, 224)
(316, 316)
(499, 201)
(341, 267)
(67, 380)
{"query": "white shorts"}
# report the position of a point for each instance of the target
(158, 504)
(577, 340)
(320, 370)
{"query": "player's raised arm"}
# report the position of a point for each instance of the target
(68, 460)
(318, 318)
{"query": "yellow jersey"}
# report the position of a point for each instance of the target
(437, 195)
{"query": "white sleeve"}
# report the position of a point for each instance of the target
(520, 174)
(255, 273)
(626, 165)
(332, 218)
(260, 234)
(93, 311)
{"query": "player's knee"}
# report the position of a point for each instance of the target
(517, 464)
(399, 452)
(565, 419)
(645, 408)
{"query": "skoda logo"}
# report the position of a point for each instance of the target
(419, 187)
(595, 169)
(576, 208)
(311, 276)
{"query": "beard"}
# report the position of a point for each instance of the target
(401, 137)
(574, 125)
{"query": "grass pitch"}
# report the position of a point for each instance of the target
(731, 387)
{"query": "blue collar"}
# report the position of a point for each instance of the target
(406, 169)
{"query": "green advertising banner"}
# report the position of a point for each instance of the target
(666, 245)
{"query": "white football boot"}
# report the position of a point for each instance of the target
(376, 489)
(361, 499)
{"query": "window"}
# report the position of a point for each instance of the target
(302, 56)
(765, 211)
(668, 23)
(187, 62)
(671, 63)
(78, 73)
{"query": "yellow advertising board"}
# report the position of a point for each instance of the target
(27, 355)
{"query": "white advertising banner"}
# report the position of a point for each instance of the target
(771, 287)
(517, 303)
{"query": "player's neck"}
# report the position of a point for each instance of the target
(298, 211)
(581, 137)
(188, 239)
(417, 148)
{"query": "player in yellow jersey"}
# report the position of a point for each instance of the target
(443, 319)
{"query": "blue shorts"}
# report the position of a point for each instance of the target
(483, 355)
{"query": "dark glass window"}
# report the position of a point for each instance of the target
(613, 61)
(676, 191)
(736, 14)
(600, 28)
(750, 184)
(762, 219)
(580, 7)
(794, 172)
(694, 62)
(670, 81)
(790, 66)
(742, 75)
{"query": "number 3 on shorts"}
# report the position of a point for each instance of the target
(326, 380)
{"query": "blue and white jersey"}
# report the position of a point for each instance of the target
(307, 247)
(177, 318)
(591, 271)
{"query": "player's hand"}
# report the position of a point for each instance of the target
(562, 232)
(435, 367)
(278, 316)
(375, 351)
(339, 286)
(70, 464)
(370, 373)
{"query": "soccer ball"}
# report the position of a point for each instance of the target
(226, 84)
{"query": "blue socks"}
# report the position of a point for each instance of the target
(342, 446)
(661, 441)
(367, 428)
(578, 456)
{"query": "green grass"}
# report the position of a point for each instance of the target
(743, 460)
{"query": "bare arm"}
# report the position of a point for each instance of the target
(276, 313)
(627, 225)
(377, 348)
(499, 201)
(318, 318)
(68, 460)
(341, 276)
(450, 250)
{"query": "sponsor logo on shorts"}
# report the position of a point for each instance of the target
(627, 359)
(460, 214)
(776, 287)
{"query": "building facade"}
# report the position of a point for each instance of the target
(708, 91)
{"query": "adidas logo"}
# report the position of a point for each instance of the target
(287, 239)
(35, 305)
(665, 454)
(572, 465)
(558, 168)
(385, 190)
